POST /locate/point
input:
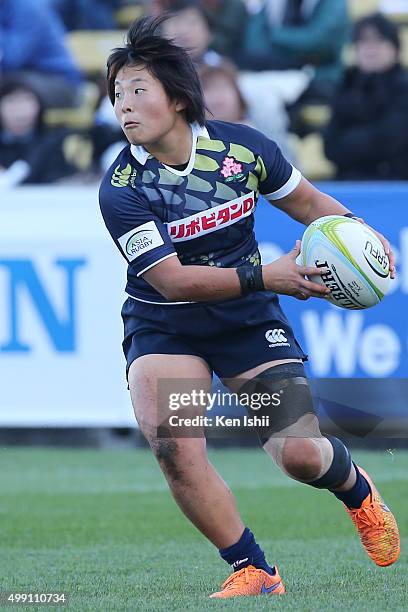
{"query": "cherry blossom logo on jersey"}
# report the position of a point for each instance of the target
(232, 170)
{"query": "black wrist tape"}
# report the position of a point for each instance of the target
(250, 278)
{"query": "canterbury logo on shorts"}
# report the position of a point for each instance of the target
(276, 337)
(212, 219)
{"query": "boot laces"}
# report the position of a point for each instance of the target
(238, 579)
(369, 517)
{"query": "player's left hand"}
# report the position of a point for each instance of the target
(386, 245)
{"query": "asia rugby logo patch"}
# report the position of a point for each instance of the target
(232, 170)
(140, 240)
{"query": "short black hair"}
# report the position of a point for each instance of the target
(166, 61)
(386, 28)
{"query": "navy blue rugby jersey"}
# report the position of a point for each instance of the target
(204, 214)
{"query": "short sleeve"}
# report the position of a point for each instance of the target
(139, 234)
(279, 178)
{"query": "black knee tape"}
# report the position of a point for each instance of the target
(339, 471)
(288, 381)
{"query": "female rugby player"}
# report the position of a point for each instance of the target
(179, 203)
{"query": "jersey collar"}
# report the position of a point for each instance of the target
(141, 155)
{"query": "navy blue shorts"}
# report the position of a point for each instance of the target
(231, 336)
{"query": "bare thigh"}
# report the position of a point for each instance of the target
(198, 489)
(155, 380)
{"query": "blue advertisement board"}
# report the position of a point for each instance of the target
(62, 281)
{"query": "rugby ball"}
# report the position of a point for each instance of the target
(359, 274)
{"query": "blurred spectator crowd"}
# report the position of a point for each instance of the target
(326, 79)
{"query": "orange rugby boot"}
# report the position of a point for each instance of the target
(376, 526)
(251, 581)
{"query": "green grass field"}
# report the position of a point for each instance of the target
(101, 526)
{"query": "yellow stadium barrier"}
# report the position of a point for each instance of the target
(91, 48)
(312, 161)
(361, 8)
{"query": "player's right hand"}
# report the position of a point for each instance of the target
(286, 277)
